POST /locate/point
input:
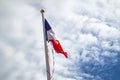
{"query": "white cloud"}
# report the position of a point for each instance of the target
(91, 32)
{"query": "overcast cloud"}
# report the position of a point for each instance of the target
(87, 29)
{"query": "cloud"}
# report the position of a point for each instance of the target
(20, 52)
(88, 30)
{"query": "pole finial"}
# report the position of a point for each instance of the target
(42, 11)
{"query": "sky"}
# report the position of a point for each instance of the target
(87, 29)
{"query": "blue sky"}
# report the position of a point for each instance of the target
(87, 29)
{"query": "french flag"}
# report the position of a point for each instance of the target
(50, 37)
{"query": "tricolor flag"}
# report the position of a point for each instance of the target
(50, 37)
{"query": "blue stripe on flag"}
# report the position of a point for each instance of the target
(47, 26)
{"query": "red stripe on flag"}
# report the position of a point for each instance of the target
(57, 47)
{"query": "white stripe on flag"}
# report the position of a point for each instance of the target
(51, 35)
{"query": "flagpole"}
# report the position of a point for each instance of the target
(45, 46)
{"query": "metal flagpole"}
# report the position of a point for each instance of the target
(45, 45)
